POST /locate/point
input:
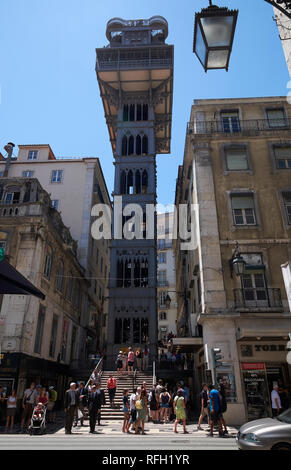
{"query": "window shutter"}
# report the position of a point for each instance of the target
(236, 159)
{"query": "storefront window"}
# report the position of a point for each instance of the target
(226, 377)
(256, 390)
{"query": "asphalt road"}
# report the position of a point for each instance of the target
(116, 442)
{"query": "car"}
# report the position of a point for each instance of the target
(266, 433)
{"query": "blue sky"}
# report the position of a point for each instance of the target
(49, 91)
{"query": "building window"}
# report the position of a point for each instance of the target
(163, 316)
(243, 210)
(1, 174)
(276, 117)
(254, 288)
(282, 156)
(287, 205)
(53, 339)
(48, 263)
(60, 277)
(12, 198)
(162, 278)
(236, 158)
(32, 155)
(162, 257)
(69, 286)
(161, 242)
(57, 176)
(230, 121)
(27, 174)
(162, 299)
(55, 204)
(39, 329)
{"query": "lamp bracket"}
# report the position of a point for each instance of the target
(286, 10)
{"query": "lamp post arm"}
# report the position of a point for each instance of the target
(279, 7)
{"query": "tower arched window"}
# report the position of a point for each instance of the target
(129, 182)
(119, 282)
(145, 145)
(145, 112)
(123, 182)
(124, 146)
(137, 182)
(131, 112)
(48, 263)
(138, 112)
(138, 145)
(131, 145)
(125, 112)
(144, 183)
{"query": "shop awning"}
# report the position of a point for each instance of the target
(12, 282)
(186, 345)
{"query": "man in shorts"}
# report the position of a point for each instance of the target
(204, 404)
(132, 400)
(215, 410)
(28, 402)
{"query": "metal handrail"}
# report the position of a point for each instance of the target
(98, 367)
(256, 125)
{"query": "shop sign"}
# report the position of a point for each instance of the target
(253, 366)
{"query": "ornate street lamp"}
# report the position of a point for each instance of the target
(213, 36)
(237, 263)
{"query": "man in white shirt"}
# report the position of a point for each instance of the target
(276, 401)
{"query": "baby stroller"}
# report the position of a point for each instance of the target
(37, 423)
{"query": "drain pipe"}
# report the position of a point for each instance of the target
(9, 149)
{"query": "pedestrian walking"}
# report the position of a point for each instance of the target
(124, 363)
(11, 410)
(52, 398)
(215, 410)
(132, 407)
(95, 401)
(96, 377)
(204, 406)
(276, 401)
(126, 411)
(130, 360)
(223, 405)
(111, 388)
(154, 405)
(145, 359)
(71, 402)
(28, 403)
(2, 405)
(142, 411)
(138, 356)
(80, 410)
(179, 410)
(164, 404)
(284, 395)
(119, 363)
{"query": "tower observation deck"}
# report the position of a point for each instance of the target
(135, 77)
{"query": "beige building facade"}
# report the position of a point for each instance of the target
(236, 181)
(167, 310)
(75, 185)
(41, 339)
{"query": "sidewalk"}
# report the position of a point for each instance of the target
(115, 428)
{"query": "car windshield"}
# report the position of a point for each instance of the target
(285, 417)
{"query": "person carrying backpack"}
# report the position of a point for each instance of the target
(223, 405)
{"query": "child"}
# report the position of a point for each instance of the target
(125, 409)
(38, 412)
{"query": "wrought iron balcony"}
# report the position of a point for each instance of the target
(238, 127)
(138, 58)
(258, 299)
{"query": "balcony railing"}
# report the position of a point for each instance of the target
(257, 298)
(252, 126)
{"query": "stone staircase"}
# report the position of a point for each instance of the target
(123, 382)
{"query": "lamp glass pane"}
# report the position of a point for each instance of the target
(200, 45)
(218, 30)
(217, 59)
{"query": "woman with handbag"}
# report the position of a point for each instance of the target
(142, 411)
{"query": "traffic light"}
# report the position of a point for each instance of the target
(216, 357)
